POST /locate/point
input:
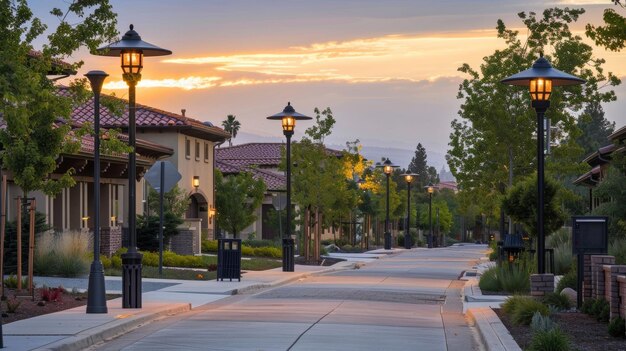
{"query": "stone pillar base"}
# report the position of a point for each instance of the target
(541, 284)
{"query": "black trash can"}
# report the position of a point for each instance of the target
(228, 259)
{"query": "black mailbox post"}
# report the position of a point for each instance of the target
(228, 259)
(589, 236)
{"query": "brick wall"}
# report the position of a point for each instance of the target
(588, 287)
(541, 284)
(621, 280)
(110, 240)
(597, 274)
(611, 287)
(186, 242)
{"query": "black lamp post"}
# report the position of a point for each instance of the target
(431, 189)
(409, 178)
(131, 49)
(96, 295)
(387, 167)
(288, 118)
(540, 79)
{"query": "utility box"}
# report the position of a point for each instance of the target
(589, 235)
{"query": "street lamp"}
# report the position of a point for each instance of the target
(387, 167)
(540, 79)
(131, 50)
(288, 118)
(96, 295)
(408, 178)
(430, 188)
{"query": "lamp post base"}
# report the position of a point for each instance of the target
(408, 242)
(96, 295)
(288, 248)
(131, 280)
(387, 241)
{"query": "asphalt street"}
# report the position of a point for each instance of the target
(406, 301)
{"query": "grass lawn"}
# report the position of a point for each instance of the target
(253, 264)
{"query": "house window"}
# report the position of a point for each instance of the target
(197, 150)
(187, 148)
(206, 152)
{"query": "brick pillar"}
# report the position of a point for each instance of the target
(611, 290)
(621, 280)
(110, 240)
(597, 274)
(588, 286)
(541, 284)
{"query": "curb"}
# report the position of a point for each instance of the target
(112, 329)
(493, 333)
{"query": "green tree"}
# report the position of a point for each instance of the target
(445, 216)
(237, 198)
(521, 204)
(612, 194)
(175, 204)
(595, 129)
(613, 34)
(30, 105)
(175, 201)
(492, 142)
(419, 166)
(231, 126)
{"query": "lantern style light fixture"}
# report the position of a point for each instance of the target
(430, 188)
(131, 50)
(387, 167)
(196, 182)
(288, 118)
(540, 79)
(408, 178)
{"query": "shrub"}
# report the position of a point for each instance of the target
(268, 251)
(569, 280)
(587, 306)
(510, 305)
(617, 248)
(51, 294)
(561, 242)
(514, 278)
(326, 242)
(600, 309)
(106, 262)
(541, 323)
(553, 340)
(489, 280)
(209, 246)
(62, 254)
(525, 309)
(617, 327)
(116, 262)
(10, 282)
(561, 302)
(261, 243)
(12, 305)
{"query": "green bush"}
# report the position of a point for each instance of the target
(106, 262)
(209, 246)
(493, 255)
(326, 242)
(525, 309)
(561, 242)
(514, 278)
(116, 262)
(617, 248)
(510, 304)
(553, 340)
(617, 327)
(267, 251)
(569, 280)
(261, 243)
(602, 311)
(542, 323)
(271, 251)
(489, 280)
(561, 302)
(587, 306)
(10, 282)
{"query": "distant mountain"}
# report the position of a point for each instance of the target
(400, 157)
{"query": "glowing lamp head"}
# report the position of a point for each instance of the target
(196, 182)
(387, 167)
(540, 89)
(409, 177)
(289, 124)
(132, 61)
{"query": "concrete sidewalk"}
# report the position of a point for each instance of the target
(74, 329)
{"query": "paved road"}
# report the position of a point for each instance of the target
(408, 301)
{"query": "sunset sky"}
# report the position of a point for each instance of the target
(387, 69)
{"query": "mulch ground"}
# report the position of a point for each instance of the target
(584, 332)
(31, 308)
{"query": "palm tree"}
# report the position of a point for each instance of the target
(231, 125)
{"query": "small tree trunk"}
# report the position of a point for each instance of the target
(307, 234)
(318, 232)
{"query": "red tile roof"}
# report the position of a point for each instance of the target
(147, 117)
(272, 180)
